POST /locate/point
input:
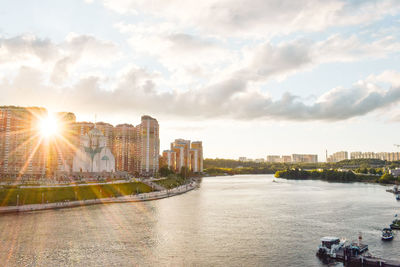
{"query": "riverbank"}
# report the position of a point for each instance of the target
(345, 176)
(24, 195)
(127, 198)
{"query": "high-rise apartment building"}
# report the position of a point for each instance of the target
(81, 129)
(196, 156)
(61, 147)
(169, 157)
(148, 146)
(22, 151)
(108, 132)
(124, 147)
(184, 153)
(182, 149)
(25, 152)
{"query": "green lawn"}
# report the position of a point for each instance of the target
(8, 197)
(171, 182)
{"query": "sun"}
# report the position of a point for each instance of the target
(48, 126)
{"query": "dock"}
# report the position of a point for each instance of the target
(345, 256)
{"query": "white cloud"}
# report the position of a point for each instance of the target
(268, 61)
(390, 77)
(135, 92)
(191, 57)
(57, 59)
(173, 46)
(259, 18)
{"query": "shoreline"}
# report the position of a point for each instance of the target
(122, 199)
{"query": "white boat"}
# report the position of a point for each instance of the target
(330, 246)
(387, 234)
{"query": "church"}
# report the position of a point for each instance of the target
(93, 154)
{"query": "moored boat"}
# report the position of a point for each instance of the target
(387, 234)
(329, 246)
(395, 225)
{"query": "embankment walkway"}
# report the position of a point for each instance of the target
(128, 198)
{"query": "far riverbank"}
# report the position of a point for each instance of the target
(344, 176)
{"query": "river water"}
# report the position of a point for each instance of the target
(246, 220)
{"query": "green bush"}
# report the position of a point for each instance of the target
(387, 178)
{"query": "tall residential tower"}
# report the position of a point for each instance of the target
(148, 146)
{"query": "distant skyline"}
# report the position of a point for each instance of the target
(247, 78)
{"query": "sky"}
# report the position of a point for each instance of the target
(248, 78)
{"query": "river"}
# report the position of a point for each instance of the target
(246, 220)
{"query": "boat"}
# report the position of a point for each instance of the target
(395, 225)
(387, 234)
(395, 190)
(329, 247)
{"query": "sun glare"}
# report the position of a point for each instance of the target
(48, 126)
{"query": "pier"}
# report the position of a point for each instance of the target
(346, 256)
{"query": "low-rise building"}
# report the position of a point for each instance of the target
(274, 158)
(286, 158)
(304, 158)
(388, 156)
(338, 156)
(395, 172)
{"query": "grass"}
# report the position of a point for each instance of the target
(171, 182)
(8, 196)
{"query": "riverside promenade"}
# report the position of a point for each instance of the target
(128, 198)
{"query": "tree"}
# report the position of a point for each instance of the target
(185, 172)
(386, 178)
(165, 171)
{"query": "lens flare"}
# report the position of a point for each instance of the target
(48, 126)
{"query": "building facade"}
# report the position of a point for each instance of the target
(148, 146)
(108, 132)
(388, 156)
(22, 150)
(304, 158)
(274, 158)
(286, 159)
(182, 149)
(124, 139)
(196, 156)
(338, 156)
(62, 147)
(184, 154)
(169, 157)
(93, 155)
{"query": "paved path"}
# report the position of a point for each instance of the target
(129, 198)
